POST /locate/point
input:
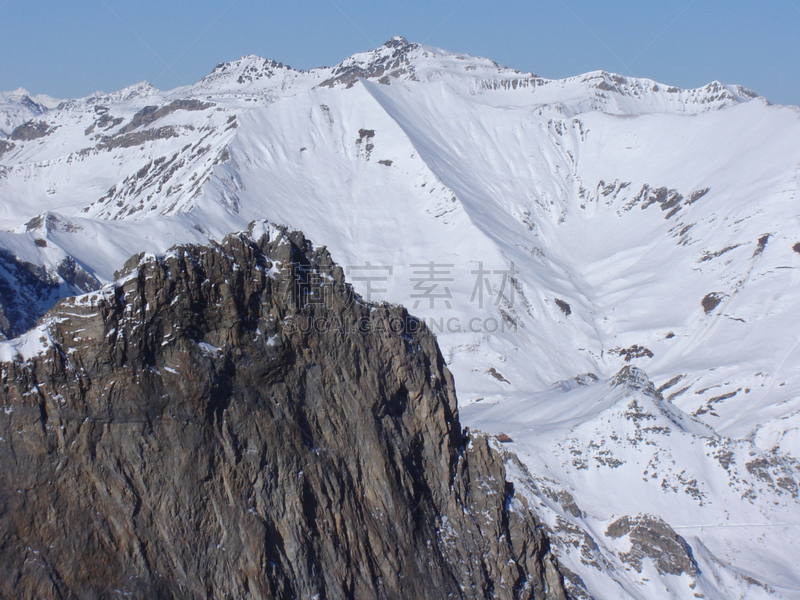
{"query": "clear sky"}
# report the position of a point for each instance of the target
(74, 47)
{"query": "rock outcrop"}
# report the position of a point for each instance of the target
(652, 538)
(28, 290)
(231, 422)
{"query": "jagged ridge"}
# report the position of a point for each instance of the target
(180, 435)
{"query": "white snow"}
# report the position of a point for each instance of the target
(27, 346)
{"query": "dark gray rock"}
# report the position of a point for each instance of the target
(32, 130)
(151, 114)
(137, 138)
(652, 538)
(5, 146)
(711, 301)
(634, 379)
(389, 61)
(185, 435)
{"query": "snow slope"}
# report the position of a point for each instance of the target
(647, 226)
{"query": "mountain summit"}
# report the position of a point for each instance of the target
(213, 447)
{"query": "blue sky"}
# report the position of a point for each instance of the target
(69, 49)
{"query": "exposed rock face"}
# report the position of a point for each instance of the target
(28, 290)
(5, 147)
(388, 61)
(32, 130)
(652, 538)
(184, 435)
(633, 378)
(151, 114)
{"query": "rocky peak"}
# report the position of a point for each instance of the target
(711, 96)
(243, 71)
(17, 107)
(143, 89)
(198, 432)
(651, 538)
(393, 59)
(23, 99)
(635, 379)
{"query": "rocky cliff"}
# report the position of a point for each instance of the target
(230, 421)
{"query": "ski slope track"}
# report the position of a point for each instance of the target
(642, 363)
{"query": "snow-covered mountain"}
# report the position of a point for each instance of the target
(616, 267)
